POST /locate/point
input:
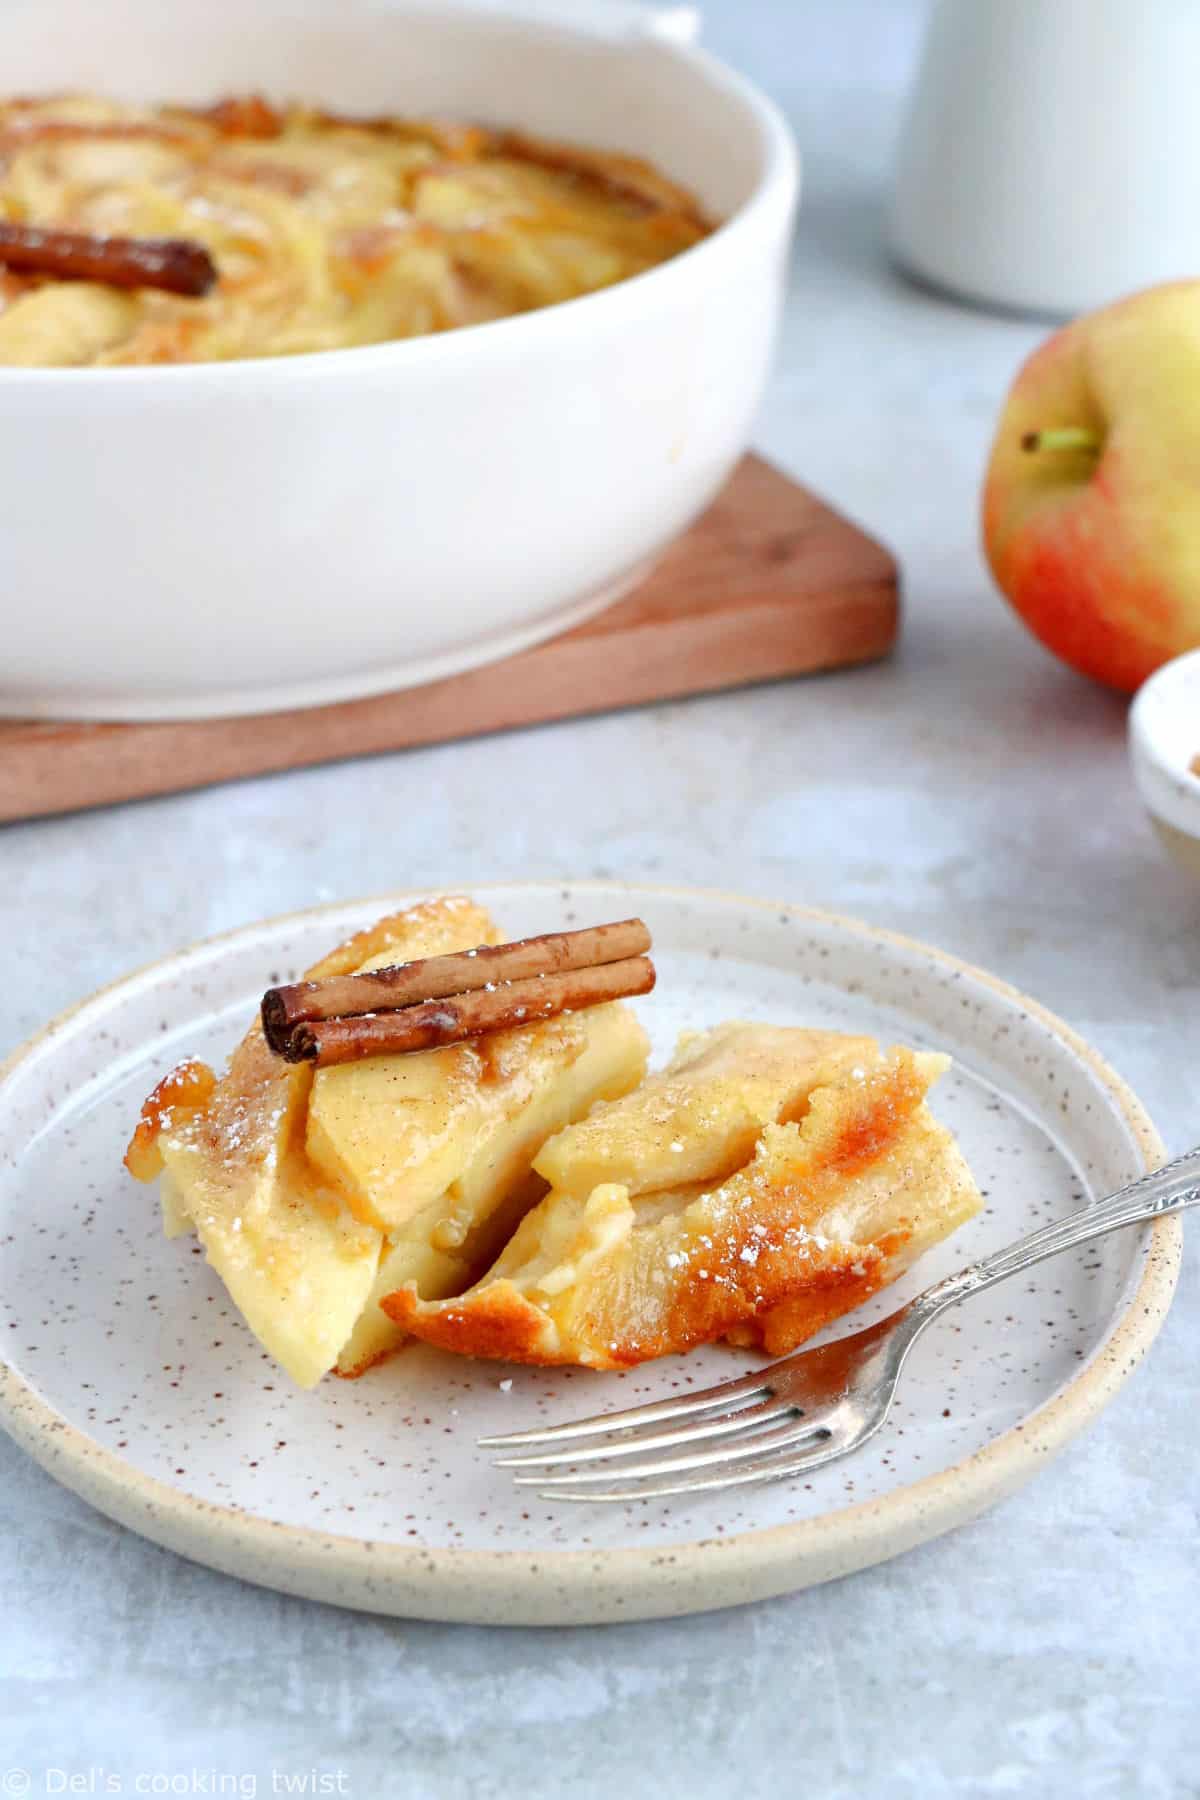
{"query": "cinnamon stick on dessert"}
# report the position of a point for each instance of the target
(404, 984)
(176, 265)
(444, 999)
(435, 1023)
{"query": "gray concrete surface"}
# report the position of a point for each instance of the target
(971, 792)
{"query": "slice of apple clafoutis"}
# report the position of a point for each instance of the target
(492, 1173)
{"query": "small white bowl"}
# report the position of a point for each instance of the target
(1164, 742)
(237, 537)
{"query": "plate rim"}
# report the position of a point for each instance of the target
(624, 1582)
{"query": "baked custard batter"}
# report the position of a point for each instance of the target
(326, 232)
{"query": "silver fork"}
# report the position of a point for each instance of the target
(809, 1408)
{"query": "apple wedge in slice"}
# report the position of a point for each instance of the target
(314, 1193)
(827, 1207)
(296, 1260)
(700, 1118)
(540, 1079)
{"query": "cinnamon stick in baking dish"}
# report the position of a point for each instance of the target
(435, 977)
(177, 265)
(434, 1023)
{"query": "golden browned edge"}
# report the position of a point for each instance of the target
(393, 1578)
(184, 267)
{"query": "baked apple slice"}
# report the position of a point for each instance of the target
(315, 1192)
(795, 1219)
(436, 1148)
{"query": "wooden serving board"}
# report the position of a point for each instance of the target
(769, 582)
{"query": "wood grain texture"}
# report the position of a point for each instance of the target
(770, 582)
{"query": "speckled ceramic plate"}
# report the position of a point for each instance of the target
(130, 1377)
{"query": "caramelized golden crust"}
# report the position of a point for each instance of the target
(828, 1294)
(494, 1321)
(187, 1089)
(827, 1210)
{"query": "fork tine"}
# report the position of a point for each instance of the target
(776, 1468)
(724, 1394)
(781, 1438)
(632, 1443)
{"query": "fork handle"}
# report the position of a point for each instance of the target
(1166, 1190)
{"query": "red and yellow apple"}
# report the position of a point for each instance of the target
(1091, 508)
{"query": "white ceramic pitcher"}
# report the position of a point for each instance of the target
(1051, 156)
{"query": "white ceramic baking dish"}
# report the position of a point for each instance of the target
(241, 536)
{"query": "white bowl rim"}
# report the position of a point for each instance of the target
(1178, 670)
(778, 183)
(1169, 791)
(401, 1580)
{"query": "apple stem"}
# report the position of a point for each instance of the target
(1062, 437)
